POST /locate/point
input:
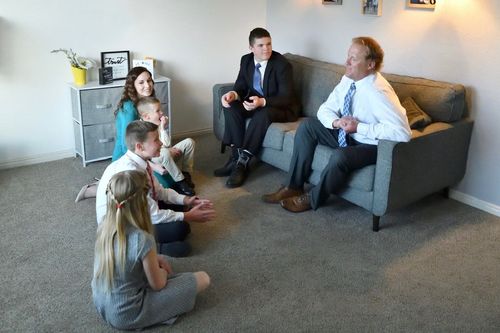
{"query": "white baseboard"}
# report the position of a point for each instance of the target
(187, 134)
(475, 202)
(39, 158)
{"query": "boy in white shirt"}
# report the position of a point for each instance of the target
(171, 227)
(177, 160)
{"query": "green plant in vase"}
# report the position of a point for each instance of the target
(79, 65)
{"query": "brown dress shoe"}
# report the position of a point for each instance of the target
(297, 204)
(283, 193)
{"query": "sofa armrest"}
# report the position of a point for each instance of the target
(218, 115)
(408, 171)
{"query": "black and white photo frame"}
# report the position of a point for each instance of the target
(119, 61)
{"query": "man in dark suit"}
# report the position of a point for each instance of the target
(262, 92)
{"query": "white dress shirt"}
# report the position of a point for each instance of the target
(131, 161)
(375, 105)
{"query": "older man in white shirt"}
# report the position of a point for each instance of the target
(361, 110)
(170, 227)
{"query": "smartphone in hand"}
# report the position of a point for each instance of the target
(247, 97)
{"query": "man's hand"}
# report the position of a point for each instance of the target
(194, 200)
(201, 212)
(348, 123)
(255, 102)
(228, 98)
(175, 152)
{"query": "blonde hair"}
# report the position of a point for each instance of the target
(127, 207)
(144, 104)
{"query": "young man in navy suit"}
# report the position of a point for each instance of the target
(263, 92)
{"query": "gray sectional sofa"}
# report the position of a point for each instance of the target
(433, 160)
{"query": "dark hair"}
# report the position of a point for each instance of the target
(375, 51)
(258, 33)
(129, 92)
(137, 132)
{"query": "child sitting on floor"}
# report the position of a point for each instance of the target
(133, 287)
(177, 160)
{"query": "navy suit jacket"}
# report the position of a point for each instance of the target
(281, 101)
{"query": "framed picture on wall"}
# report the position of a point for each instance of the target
(421, 3)
(371, 7)
(119, 61)
(332, 2)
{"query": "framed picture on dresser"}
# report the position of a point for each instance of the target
(119, 61)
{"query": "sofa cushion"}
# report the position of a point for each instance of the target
(288, 142)
(442, 101)
(276, 133)
(432, 128)
(417, 118)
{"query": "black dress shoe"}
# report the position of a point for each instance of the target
(182, 187)
(237, 176)
(188, 179)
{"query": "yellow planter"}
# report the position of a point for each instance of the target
(79, 76)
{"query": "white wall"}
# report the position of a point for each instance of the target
(457, 42)
(197, 43)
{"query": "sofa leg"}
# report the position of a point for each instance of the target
(446, 192)
(376, 221)
(222, 148)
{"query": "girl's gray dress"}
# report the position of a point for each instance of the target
(132, 304)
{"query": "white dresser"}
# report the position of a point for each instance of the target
(93, 116)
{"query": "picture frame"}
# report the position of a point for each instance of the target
(119, 61)
(371, 7)
(332, 2)
(149, 64)
(427, 4)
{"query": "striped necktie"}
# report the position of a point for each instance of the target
(346, 111)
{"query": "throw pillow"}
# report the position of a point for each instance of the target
(417, 118)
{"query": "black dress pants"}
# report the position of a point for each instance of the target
(311, 133)
(250, 138)
(171, 231)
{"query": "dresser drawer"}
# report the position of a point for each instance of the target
(93, 107)
(161, 92)
(98, 105)
(99, 140)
